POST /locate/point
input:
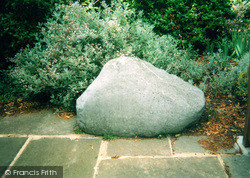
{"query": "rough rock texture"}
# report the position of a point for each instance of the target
(131, 97)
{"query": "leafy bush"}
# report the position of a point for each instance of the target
(242, 11)
(237, 43)
(233, 48)
(20, 24)
(241, 89)
(77, 41)
(7, 91)
(192, 22)
(225, 77)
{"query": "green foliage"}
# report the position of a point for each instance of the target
(192, 22)
(77, 130)
(226, 71)
(242, 19)
(224, 77)
(240, 42)
(8, 92)
(19, 20)
(160, 136)
(77, 41)
(233, 48)
(241, 89)
(109, 137)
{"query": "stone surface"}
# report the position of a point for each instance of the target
(189, 144)
(39, 123)
(146, 147)
(238, 165)
(9, 147)
(78, 157)
(131, 97)
(167, 167)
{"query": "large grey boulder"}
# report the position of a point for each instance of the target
(131, 97)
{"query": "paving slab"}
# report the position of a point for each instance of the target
(39, 123)
(142, 147)
(9, 148)
(189, 144)
(77, 156)
(167, 167)
(238, 165)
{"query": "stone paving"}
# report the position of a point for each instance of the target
(42, 139)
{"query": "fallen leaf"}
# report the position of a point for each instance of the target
(177, 135)
(92, 147)
(52, 123)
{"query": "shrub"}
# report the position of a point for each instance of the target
(77, 43)
(225, 77)
(241, 88)
(241, 20)
(192, 22)
(8, 93)
(20, 24)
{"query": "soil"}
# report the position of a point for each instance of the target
(223, 120)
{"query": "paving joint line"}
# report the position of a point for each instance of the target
(48, 136)
(101, 156)
(171, 147)
(222, 165)
(182, 155)
(19, 154)
(192, 155)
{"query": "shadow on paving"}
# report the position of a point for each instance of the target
(40, 123)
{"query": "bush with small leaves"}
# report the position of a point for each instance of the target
(195, 22)
(19, 24)
(242, 10)
(241, 88)
(78, 40)
(225, 77)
